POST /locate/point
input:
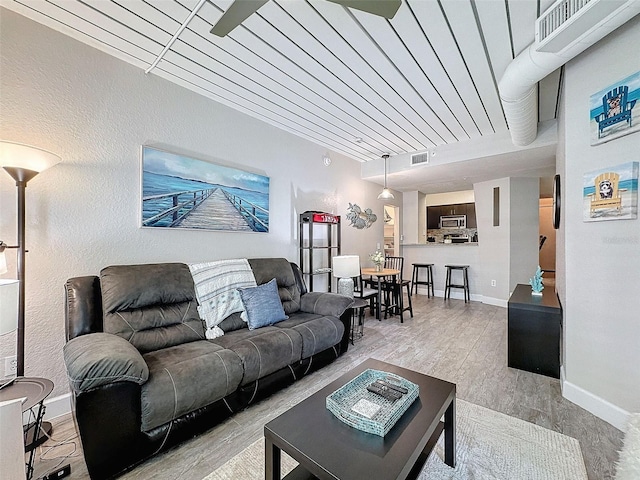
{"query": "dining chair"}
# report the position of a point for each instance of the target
(394, 297)
(365, 293)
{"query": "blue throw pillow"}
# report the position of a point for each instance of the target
(262, 305)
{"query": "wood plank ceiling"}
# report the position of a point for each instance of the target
(353, 82)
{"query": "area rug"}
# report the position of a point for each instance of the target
(490, 445)
(628, 467)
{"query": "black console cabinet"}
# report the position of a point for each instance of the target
(535, 331)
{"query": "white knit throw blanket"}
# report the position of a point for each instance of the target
(217, 286)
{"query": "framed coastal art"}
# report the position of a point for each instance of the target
(183, 192)
(611, 193)
(615, 110)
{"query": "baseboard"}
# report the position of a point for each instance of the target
(600, 407)
(57, 406)
(498, 302)
(458, 295)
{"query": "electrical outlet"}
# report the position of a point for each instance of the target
(10, 366)
(493, 283)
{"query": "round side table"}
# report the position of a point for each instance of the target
(357, 329)
(34, 391)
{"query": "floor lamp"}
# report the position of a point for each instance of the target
(8, 311)
(22, 162)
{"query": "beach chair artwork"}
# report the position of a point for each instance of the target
(607, 194)
(616, 108)
(611, 193)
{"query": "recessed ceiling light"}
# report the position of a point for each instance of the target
(326, 159)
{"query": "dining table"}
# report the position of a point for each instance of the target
(380, 275)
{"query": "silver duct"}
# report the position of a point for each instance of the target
(517, 87)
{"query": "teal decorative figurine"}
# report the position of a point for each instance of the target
(536, 282)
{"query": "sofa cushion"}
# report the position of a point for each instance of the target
(263, 351)
(153, 306)
(232, 323)
(186, 377)
(262, 305)
(264, 269)
(318, 332)
(328, 304)
(231, 338)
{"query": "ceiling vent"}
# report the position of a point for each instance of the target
(419, 159)
(567, 21)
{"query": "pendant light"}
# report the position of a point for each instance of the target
(386, 193)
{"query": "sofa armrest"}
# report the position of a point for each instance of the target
(83, 306)
(325, 303)
(98, 359)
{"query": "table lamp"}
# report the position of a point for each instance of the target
(22, 162)
(345, 267)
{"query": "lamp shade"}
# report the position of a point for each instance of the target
(346, 266)
(8, 306)
(385, 194)
(17, 155)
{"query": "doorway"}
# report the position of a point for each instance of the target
(547, 253)
(391, 231)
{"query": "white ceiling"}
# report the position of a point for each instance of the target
(353, 82)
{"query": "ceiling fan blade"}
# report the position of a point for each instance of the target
(237, 12)
(382, 8)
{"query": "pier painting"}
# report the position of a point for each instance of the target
(182, 192)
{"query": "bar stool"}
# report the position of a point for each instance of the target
(429, 282)
(465, 277)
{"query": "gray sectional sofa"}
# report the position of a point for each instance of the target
(143, 375)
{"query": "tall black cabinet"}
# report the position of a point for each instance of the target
(320, 238)
(535, 331)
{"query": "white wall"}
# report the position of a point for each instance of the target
(463, 196)
(95, 112)
(523, 229)
(414, 218)
(509, 251)
(599, 276)
(493, 242)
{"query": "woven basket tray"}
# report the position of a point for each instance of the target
(341, 401)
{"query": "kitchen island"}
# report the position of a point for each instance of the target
(441, 254)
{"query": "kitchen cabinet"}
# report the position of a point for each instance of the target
(434, 213)
(433, 217)
(471, 215)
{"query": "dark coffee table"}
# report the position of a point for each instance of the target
(327, 448)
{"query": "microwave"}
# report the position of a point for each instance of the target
(453, 221)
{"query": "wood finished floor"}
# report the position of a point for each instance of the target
(462, 343)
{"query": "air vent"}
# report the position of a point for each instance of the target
(566, 21)
(419, 159)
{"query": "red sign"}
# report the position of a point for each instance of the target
(326, 218)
